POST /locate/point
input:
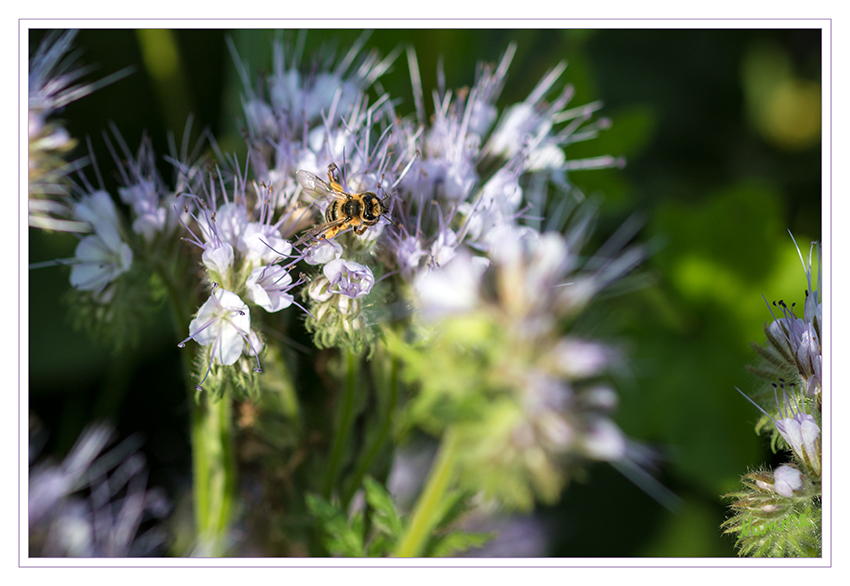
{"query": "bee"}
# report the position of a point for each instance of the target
(345, 210)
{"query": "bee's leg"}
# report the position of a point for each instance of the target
(332, 175)
(361, 229)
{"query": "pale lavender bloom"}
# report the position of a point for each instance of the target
(529, 128)
(801, 432)
(496, 206)
(150, 218)
(142, 187)
(452, 288)
(221, 230)
(102, 257)
(224, 322)
(93, 504)
(233, 242)
(444, 247)
(447, 157)
(310, 115)
(318, 92)
(787, 479)
(451, 144)
(408, 252)
(218, 258)
(576, 359)
(349, 278)
(262, 243)
(53, 84)
(269, 287)
(524, 290)
(795, 343)
(603, 440)
(96, 264)
(229, 223)
(794, 352)
(323, 252)
(99, 211)
(798, 428)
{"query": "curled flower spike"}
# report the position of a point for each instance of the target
(794, 344)
(223, 321)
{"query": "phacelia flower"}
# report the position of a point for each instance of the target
(93, 504)
(53, 84)
(778, 513)
(102, 257)
(535, 408)
(224, 322)
(269, 287)
(793, 352)
(787, 479)
(349, 278)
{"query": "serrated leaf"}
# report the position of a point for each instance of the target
(380, 546)
(458, 542)
(385, 516)
(341, 537)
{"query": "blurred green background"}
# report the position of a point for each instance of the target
(721, 131)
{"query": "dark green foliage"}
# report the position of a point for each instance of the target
(375, 532)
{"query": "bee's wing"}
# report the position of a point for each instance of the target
(313, 186)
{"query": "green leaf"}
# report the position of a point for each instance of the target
(385, 517)
(455, 505)
(458, 542)
(341, 536)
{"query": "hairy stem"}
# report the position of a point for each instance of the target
(214, 479)
(213, 464)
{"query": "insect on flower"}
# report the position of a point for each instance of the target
(345, 210)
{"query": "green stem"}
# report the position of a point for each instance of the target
(428, 507)
(378, 443)
(344, 422)
(213, 463)
(214, 473)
